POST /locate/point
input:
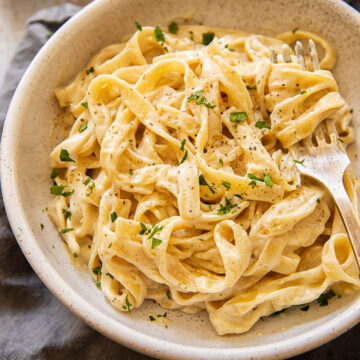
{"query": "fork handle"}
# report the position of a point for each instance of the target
(348, 217)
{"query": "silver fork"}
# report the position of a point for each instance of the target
(324, 160)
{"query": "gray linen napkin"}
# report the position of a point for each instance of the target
(33, 323)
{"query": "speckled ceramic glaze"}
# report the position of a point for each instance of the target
(25, 173)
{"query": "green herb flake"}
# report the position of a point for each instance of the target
(173, 28)
(85, 105)
(75, 255)
(207, 38)
(182, 145)
(196, 96)
(90, 70)
(227, 47)
(138, 26)
(301, 162)
(155, 242)
(221, 162)
(97, 270)
(42, 227)
(66, 230)
(64, 156)
(262, 125)
(57, 189)
(152, 318)
(202, 181)
(248, 87)
(111, 276)
(50, 34)
(98, 284)
(143, 229)
(155, 229)
(323, 298)
(131, 172)
(91, 188)
(278, 312)
(252, 183)
(351, 111)
(83, 127)
(89, 246)
(225, 209)
(168, 294)
(302, 92)
(226, 184)
(253, 177)
(113, 216)
(340, 140)
(201, 239)
(239, 196)
(237, 117)
(110, 245)
(67, 214)
(54, 173)
(295, 30)
(68, 193)
(87, 181)
(305, 308)
(318, 200)
(191, 35)
(184, 157)
(159, 35)
(268, 181)
(128, 303)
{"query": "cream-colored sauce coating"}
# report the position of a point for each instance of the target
(180, 179)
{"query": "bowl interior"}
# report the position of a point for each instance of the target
(26, 148)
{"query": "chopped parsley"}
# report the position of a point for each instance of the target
(155, 242)
(201, 100)
(50, 34)
(85, 105)
(54, 173)
(221, 162)
(64, 156)
(168, 294)
(262, 125)
(42, 227)
(191, 35)
(64, 231)
(138, 26)
(207, 38)
(239, 196)
(173, 27)
(143, 229)
(67, 214)
(237, 117)
(302, 92)
(91, 188)
(301, 162)
(295, 30)
(351, 111)
(323, 298)
(87, 181)
(227, 47)
(155, 229)
(111, 276)
(184, 157)
(305, 308)
(253, 177)
(97, 270)
(226, 184)
(160, 37)
(278, 312)
(202, 181)
(128, 304)
(75, 255)
(90, 70)
(57, 189)
(182, 144)
(152, 318)
(318, 200)
(131, 171)
(225, 209)
(83, 127)
(248, 87)
(201, 239)
(113, 216)
(110, 245)
(268, 181)
(340, 140)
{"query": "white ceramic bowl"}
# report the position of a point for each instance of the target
(25, 173)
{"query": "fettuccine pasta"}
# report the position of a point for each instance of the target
(177, 183)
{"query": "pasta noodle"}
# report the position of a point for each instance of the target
(177, 182)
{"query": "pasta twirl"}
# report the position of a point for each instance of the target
(176, 179)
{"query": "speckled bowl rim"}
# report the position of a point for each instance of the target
(106, 325)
